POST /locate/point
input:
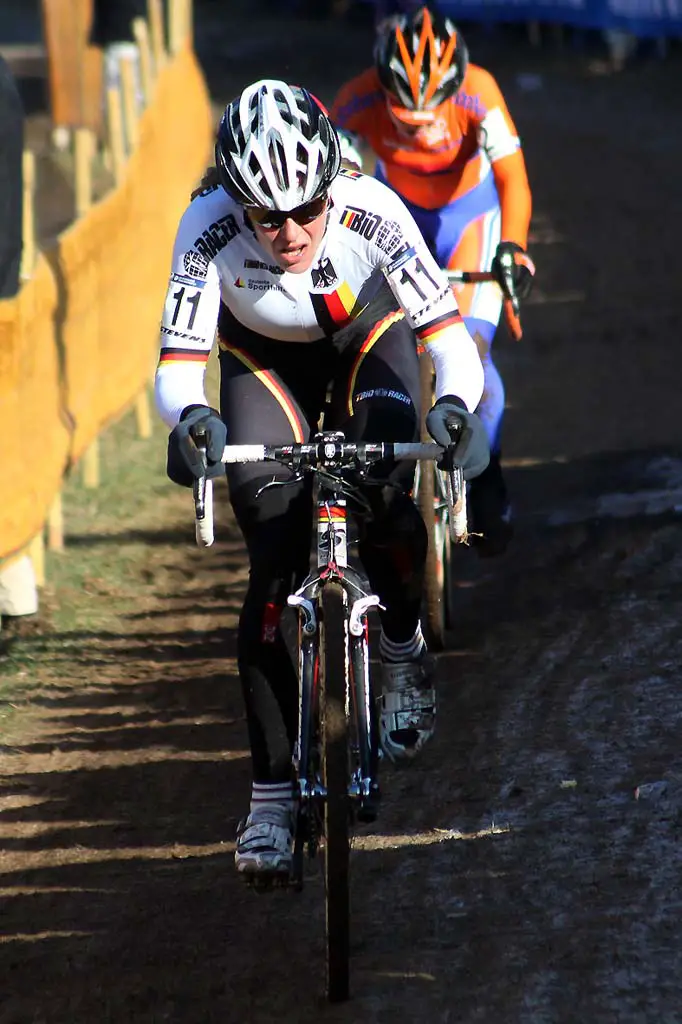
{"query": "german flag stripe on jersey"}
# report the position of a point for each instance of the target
(334, 309)
(429, 332)
(367, 344)
(333, 514)
(181, 355)
(268, 380)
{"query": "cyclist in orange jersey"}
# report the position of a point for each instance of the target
(445, 142)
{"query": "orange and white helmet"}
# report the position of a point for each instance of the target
(421, 60)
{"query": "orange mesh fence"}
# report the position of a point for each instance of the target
(79, 342)
(33, 419)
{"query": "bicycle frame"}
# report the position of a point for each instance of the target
(332, 566)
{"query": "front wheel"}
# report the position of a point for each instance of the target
(333, 684)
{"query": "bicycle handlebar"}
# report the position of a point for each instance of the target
(324, 454)
(331, 454)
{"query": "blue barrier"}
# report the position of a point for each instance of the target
(642, 18)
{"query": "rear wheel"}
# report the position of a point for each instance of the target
(333, 675)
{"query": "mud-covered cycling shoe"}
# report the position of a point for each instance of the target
(408, 707)
(490, 525)
(264, 846)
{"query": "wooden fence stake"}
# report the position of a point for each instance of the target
(116, 138)
(156, 31)
(179, 24)
(534, 33)
(141, 32)
(129, 101)
(143, 414)
(91, 465)
(84, 149)
(29, 253)
(55, 524)
(36, 552)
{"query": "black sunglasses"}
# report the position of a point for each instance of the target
(273, 220)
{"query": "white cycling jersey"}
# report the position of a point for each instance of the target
(219, 269)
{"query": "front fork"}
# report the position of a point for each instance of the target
(363, 786)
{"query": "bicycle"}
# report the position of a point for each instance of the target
(336, 755)
(431, 490)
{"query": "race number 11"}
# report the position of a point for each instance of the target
(419, 268)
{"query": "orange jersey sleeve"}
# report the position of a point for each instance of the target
(354, 108)
(499, 141)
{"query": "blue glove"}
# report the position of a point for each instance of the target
(186, 462)
(514, 270)
(451, 425)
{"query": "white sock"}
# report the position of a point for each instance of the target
(392, 652)
(267, 794)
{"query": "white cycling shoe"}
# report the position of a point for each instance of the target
(408, 707)
(264, 844)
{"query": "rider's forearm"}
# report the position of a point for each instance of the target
(458, 366)
(516, 203)
(176, 386)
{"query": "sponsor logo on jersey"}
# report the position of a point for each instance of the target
(346, 172)
(323, 275)
(195, 264)
(254, 285)
(387, 235)
(190, 282)
(473, 103)
(216, 236)
(272, 268)
(399, 396)
(355, 104)
(400, 259)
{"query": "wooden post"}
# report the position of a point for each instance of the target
(55, 524)
(143, 417)
(91, 465)
(141, 32)
(155, 18)
(74, 67)
(84, 148)
(115, 132)
(534, 34)
(129, 102)
(29, 254)
(179, 24)
(36, 552)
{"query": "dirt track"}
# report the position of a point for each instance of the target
(513, 876)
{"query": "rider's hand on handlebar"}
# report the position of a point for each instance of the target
(450, 423)
(515, 270)
(200, 426)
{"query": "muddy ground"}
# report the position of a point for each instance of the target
(517, 873)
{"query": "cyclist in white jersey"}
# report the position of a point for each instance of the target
(318, 281)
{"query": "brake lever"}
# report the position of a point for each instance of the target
(295, 479)
(509, 289)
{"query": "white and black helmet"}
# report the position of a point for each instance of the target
(276, 148)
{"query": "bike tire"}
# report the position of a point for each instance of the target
(426, 494)
(334, 723)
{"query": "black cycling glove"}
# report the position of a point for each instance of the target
(185, 462)
(514, 269)
(450, 423)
